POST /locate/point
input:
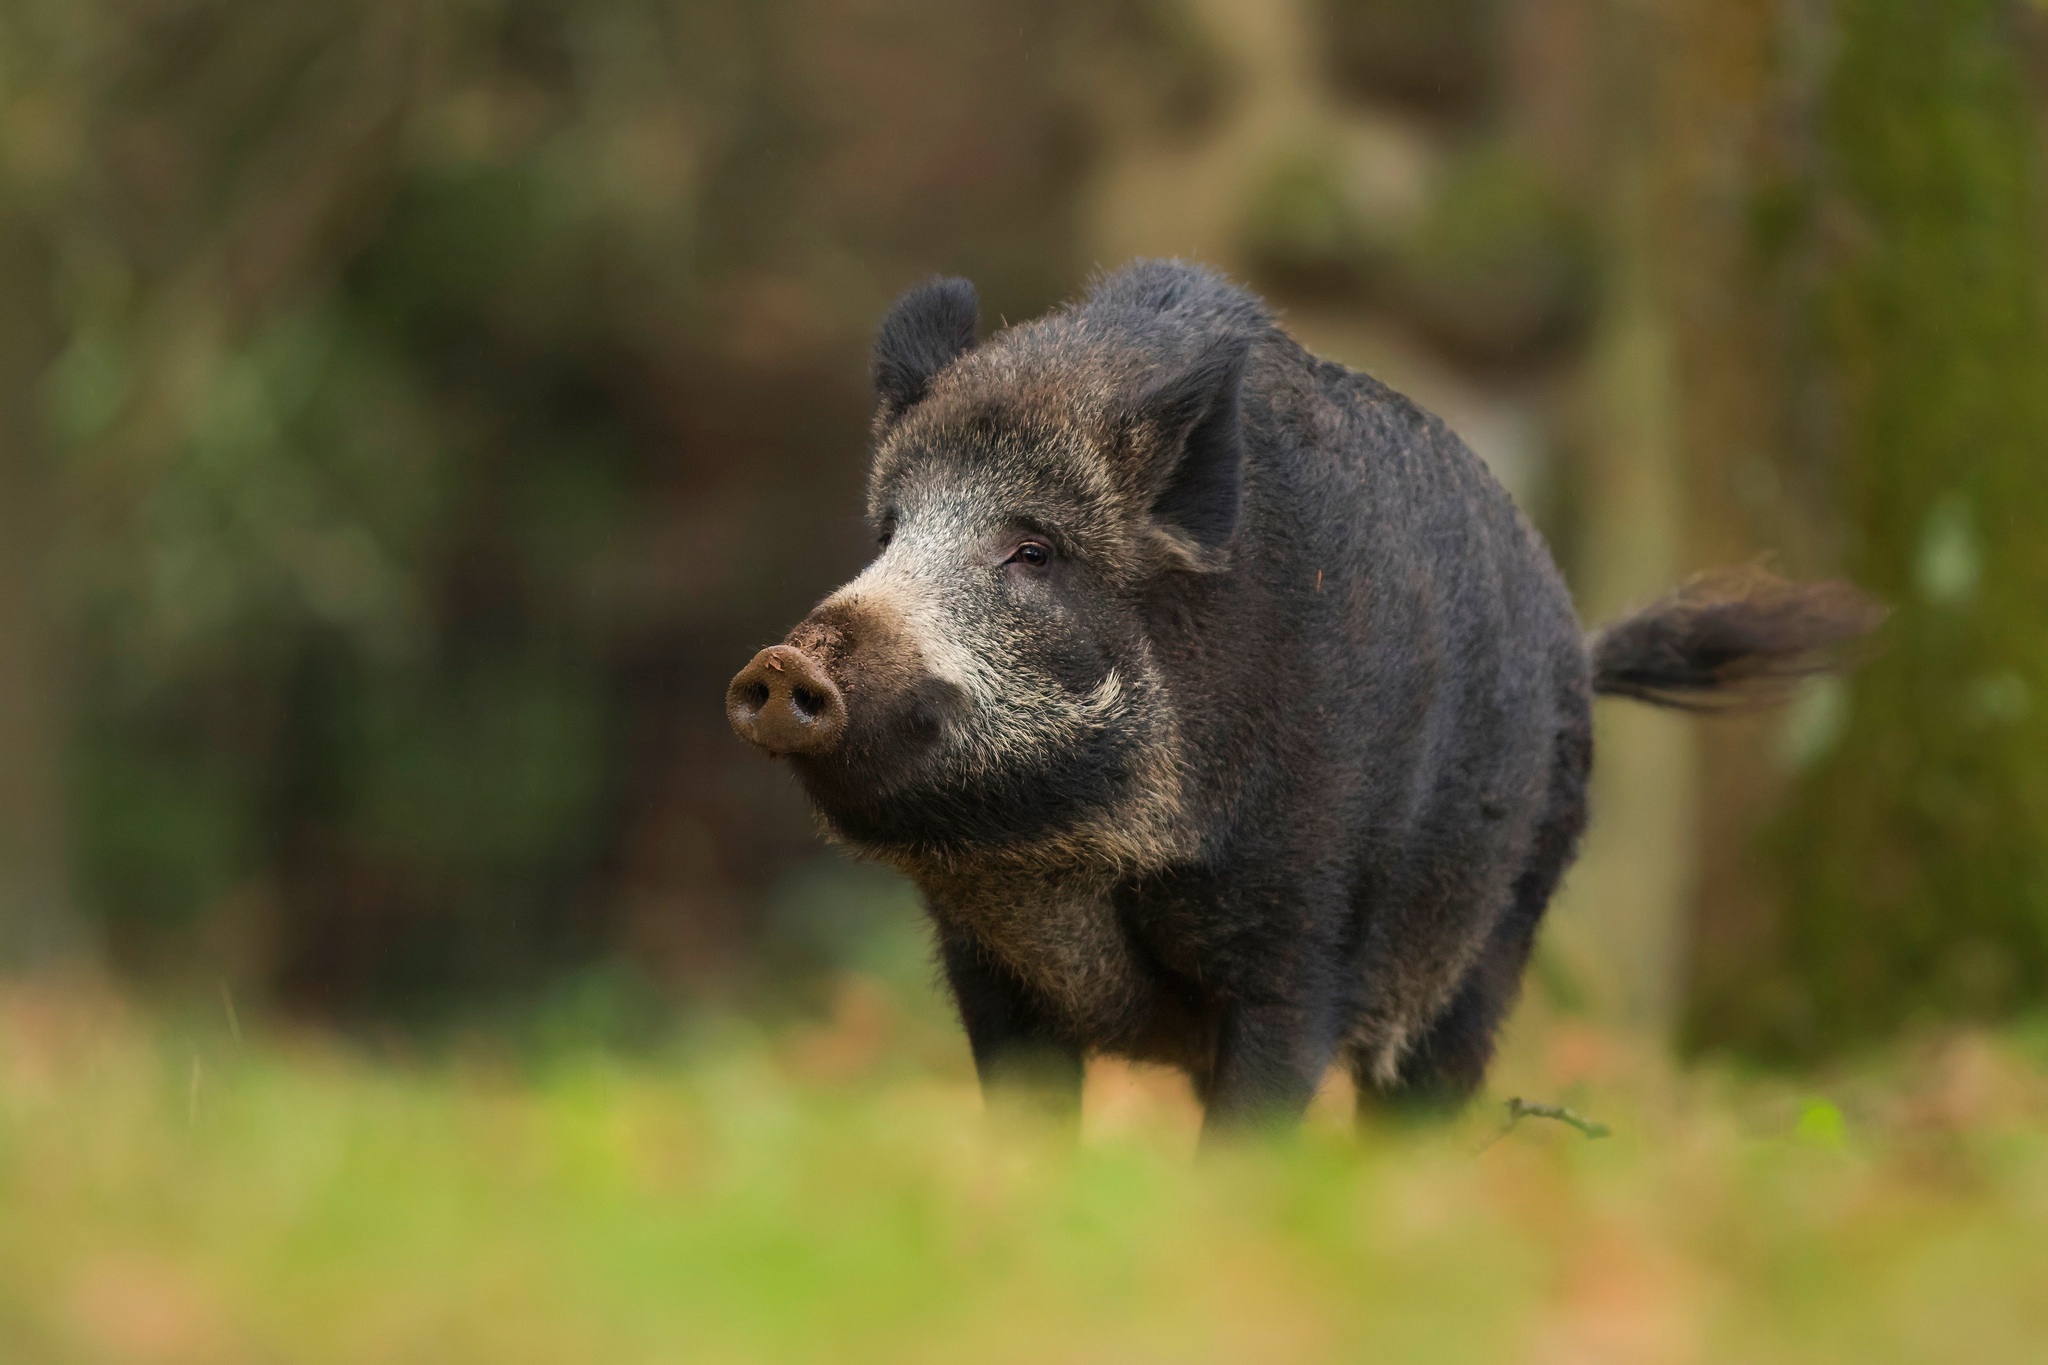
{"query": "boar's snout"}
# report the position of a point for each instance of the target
(783, 702)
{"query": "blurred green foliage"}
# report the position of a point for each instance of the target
(436, 400)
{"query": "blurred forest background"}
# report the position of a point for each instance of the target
(413, 413)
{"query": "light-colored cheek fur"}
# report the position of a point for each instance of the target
(1015, 714)
(1149, 826)
(1043, 906)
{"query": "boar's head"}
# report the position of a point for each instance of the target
(992, 682)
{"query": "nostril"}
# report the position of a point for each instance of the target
(754, 695)
(807, 701)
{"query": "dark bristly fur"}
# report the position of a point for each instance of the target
(1222, 705)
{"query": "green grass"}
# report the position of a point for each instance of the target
(833, 1192)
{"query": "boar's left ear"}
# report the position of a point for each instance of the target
(1189, 422)
(929, 328)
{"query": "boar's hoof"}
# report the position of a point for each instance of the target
(783, 702)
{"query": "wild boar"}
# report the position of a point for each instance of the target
(1222, 705)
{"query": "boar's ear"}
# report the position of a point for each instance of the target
(930, 327)
(1190, 423)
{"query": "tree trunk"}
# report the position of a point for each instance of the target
(1593, 81)
(1723, 156)
(1910, 869)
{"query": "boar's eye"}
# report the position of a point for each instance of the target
(1032, 554)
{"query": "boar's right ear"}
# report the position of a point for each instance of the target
(930, 327)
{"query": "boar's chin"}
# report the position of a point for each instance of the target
(932, 814)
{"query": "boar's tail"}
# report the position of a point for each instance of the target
(1731, 638)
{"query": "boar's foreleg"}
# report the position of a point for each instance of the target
(1017, 1048)
(1269, 1060)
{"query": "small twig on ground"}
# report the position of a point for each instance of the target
(1519, 1109)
